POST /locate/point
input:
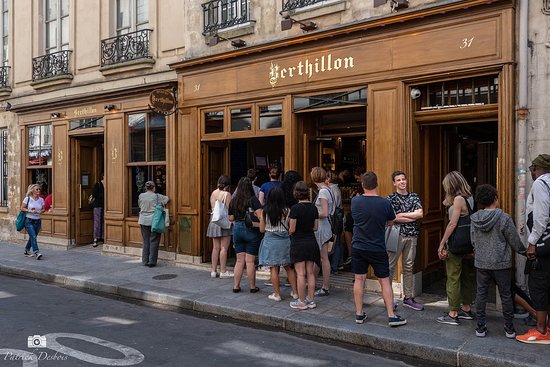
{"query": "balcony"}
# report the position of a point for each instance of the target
(54, 66)
(289, 5)
(4, 83)
(223, 14)
(129, 48)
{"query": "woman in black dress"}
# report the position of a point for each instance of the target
(304, 251)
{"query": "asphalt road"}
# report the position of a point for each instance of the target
(46, 325)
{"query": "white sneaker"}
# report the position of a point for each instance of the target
(274, 297)
(38, 256)
(293, 295)
(226, 274)
(213, 274)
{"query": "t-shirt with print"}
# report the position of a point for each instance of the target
(406, 204)
(370, 214)
(33, 204)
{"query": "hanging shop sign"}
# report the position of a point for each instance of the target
(162, 101)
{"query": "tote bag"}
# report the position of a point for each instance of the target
(20, 221)
(159, 218)
(392, 237)
(220, 215)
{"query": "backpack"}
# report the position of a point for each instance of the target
(336, 219)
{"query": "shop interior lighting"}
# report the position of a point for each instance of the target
(215, 39)
(306, 26)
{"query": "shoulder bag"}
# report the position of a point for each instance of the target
(20, 221)
(251, 221)
(220, 215)
(159, 218)
(392, 237)
(460, 241)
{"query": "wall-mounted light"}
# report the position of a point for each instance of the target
(306, 25)
(55, 115)
(109, 107)
(215, 39)
(6, 106)
(394, 4)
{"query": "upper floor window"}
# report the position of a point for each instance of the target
(5, 28)
(131, 16)
(4, 167)
(219, 14)
(57, 25)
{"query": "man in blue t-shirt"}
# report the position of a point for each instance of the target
(371, 214)
(266, 187)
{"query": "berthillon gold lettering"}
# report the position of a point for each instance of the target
(309, 68)
(84, 111)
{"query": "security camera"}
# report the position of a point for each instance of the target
(415, 93)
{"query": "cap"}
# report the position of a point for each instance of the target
(542, 161)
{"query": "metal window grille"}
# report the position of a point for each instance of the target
(4, 72)
(219, 14)
(126, 47)
(4, 167)
(296, 4)
(50, 65)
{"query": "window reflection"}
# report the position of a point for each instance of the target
(271, 116)
(40, 145)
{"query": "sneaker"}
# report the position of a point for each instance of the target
(322, 292)
(269, 284)
(28, 253)
(481, 330)
(226, 274)
(359, 319)
(396, 321)
(465, 315)
(298, 305)
(534, 337)
(213, 274)
(446, 319)
(293, 295)
(395, 304)
(274, 297)
(411, 303)
(310, 304)
(95, 243)
(348, 261)
(510, 331)
(38, 256)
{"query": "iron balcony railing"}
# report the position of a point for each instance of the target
(4, 72)
(50, 65)
(220, 14)
(295, 4)
(126, 47)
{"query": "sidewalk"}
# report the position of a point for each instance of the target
(191, 288)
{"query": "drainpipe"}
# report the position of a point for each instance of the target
(522, 131)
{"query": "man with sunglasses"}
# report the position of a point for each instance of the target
(538, 222)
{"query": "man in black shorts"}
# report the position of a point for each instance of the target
(371, 214)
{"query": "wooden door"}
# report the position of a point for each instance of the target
(215, 157)
(85, 174)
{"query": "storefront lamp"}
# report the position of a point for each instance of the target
(306, 26)
(238, 43)
(110, 107)
(55, 115)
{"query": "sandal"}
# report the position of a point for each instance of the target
(254, 290)
(236, 290)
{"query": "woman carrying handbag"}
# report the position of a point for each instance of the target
(220, 230)
(33, 205)
(460, 286)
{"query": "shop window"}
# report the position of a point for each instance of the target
(147, 155)
(241, 119)
(213, 122)
(271, 117)
(4, 167)
(40, 157)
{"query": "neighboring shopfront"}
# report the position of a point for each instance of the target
(66, 148)
(425, 92)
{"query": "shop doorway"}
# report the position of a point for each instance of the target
(470, 148)
(234, 158)
(87, 165)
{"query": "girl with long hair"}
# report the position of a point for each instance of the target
(275, 246)
(33, 205)
(458, 267)
(246, 241)
(221, 237)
